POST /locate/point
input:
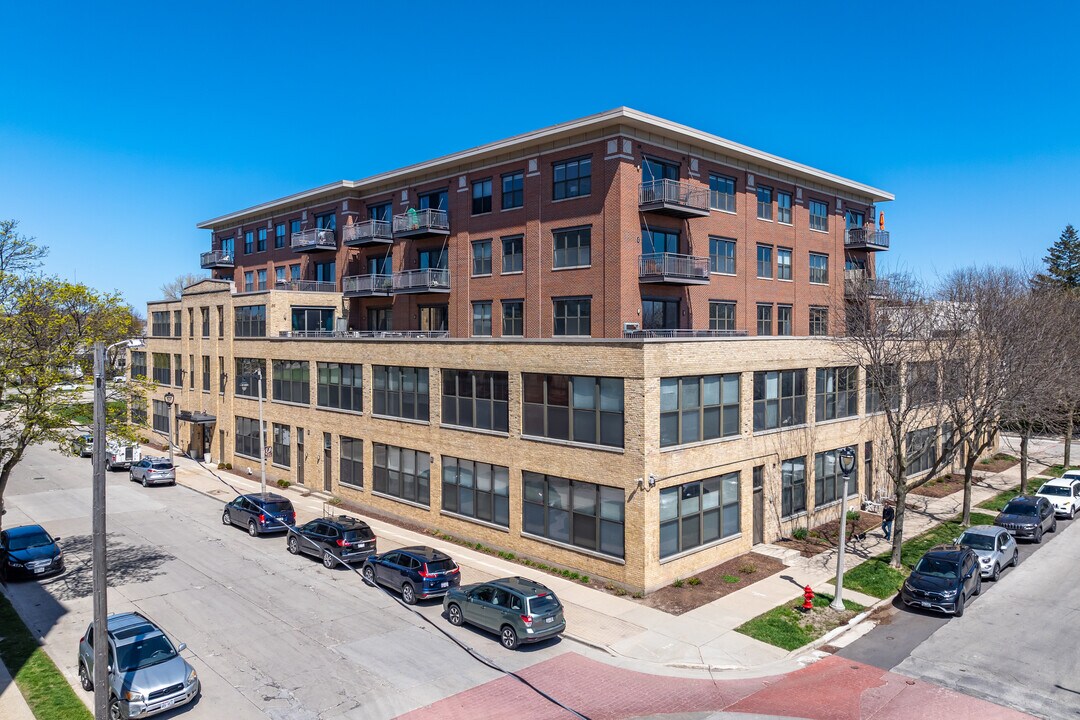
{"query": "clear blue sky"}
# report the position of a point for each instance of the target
(123, 124)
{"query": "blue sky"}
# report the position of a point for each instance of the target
(122, 125)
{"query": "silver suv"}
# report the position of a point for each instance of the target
(150, 676)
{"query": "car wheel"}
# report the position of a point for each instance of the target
(453, 614)
(978, 587)
(293, 545)
(408, 595)
(253, 529)
(996, 575)
(144, 483)
(225, 519)
(116, 711)
(960, 606)
(131, 475)
(1053, 527)
(1038, 536)
(1015, 557)
(369, 575)
(508, 637)
(328, 560)
(84, 678)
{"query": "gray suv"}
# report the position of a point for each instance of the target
(153, 471)
(517, 609)
(1028, 517)
(146, 673)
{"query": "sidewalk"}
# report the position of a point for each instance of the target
(638, 637)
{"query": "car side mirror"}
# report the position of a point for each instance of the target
(108, 668)
(56, 539)
(956, 541)
(181, 647)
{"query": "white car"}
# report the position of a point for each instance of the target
(1063, 494)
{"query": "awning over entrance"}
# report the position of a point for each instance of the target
(199, 418)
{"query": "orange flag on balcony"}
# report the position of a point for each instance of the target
(881, 221)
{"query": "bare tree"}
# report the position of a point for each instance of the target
(172, 289)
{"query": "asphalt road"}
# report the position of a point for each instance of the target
(272, 635)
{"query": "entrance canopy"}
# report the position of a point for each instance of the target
(199, 418)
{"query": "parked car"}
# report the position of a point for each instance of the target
(154, 471)
(146, 673)
(260, 513)
(516, 609)
(1027, 517)
(337, 540)
(120, 455)
(83, 445)
(944, 579)
(995, 547)
(29, 551)
(1063, 494)
(418, 572)
(66, 387)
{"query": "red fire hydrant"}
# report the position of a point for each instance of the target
(808, 601)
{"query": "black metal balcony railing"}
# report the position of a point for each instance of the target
(363, 285)
(320, 286)
(673, 268)
(368, 232)
(415, 223)
(367, 334)
(216, 258)
(674, 197)
(314, 239)
(428, 280)
(869, 239)
(858, 281)
(682, 333)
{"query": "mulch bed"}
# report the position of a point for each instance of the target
(941, 486)
(716, 582)
(823, 537)
(996, 464)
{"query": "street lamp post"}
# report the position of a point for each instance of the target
(169, 400)
(244, 384)
(847, 464)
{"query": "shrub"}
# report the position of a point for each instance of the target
(800, 533)
(228, 466)
(638, 595)
(679, 582)
(694, 581)
(221, 466)
(620, 592)
(335, 501)
(731, 579)
(748, 568)
(282, 483)
(853, 516)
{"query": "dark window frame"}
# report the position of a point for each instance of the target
(476, 490)
(788, 404)
(568, 520)
(476, 399)
(571, 248)
(481, 264)
(580, 185)
(719, 196)
(291, 381)
(550, 403)
(722, 321)
(841, 400)
(722, 263)
(515, 196)
(513, 254)
(563, 321)
(700, 412)
(350, 461)
(513, 323)
(401, 473)
(481, 203)
(339, 386)
(400, 392)
(691, 524)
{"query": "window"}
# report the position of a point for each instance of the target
(572, 178)
(819, 216)
(292, 381)
(249, 242)
(855, 218)
(572, 247)
(513, 256)
(764, 261)
(380, 319)
(513, 190)
(476, 489)
(659, 241)
(582, 409)
(282, 444)
(697, 408)
(764, 319)
(279, 275)
(779, 399)
(783, 320)
(921, 450)
(262, 279)
(836, 394)
(829, 481)
(327, 221)
(249, 282)
(572, 316)
(481, 257)
(178, 370)
(431, 259)
(402, 473)
(721, 315)
(261, 245)
(222, 375)
(159, 326)
(382, 211)
(312, 319)
(248, 374)
(783, 264)
(481, 319)
(653, 169)
(513, 318)
(221, 321)
(400, 392)
(294, 272)
(577, 513)
(481, 197)
(279, 236)
(882, 386)
(698, 513)
(922, 384)
(248, 441)
(177, 327)
(161, 417)
(206, 373)
(294, 226)
(435, 200)
(161, 371)
(250, 321)
(433, 318)
(138, 410)
(205, 313)
(138, 364)
(722, 256)
(948, 440)
(339, 386)
(475, 399)
(819, 269)
(819, 321)
(325, 271)
(764, 202)
(722, 193)
(660, 314)
(351, 462)
(783, 207)
(792, 486)
(191, 322)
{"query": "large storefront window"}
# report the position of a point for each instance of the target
(698, 513)
(402, 473)
(477, 490)
(475, 399)
(400, 392)
(577, 513)
(697, 408)
(578, 408)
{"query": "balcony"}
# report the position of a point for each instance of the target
(674, 334)
(866, 239)
(671, 197)
(859, 282)
(431, 280)
(216, 259)
(367, 285)
(318, 286)
(673, 269)
(421, 223)
(314, 240)
(368, 232)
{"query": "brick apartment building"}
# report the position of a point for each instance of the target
(553, 344)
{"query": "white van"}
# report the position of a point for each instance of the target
(118, 455)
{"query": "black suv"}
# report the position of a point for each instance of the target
(418, 572)
(943, 579)
(1028, 516)
(260, 513)
(340, 539)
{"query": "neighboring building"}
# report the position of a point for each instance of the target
(484, 343)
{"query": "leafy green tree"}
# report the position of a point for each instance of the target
(1062, 263)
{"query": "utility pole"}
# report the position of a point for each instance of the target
(101, 609)
(262, 433)
(847, 464)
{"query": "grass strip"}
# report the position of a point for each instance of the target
(789, 628)
(42, 684)
(1057, 470)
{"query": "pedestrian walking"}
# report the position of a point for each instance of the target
(887, 515)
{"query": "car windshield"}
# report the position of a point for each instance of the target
(276, 507)
(144, 653)
(438, 566)
(1059, 490)
(977, 541)
(937, 568)
(360, 533)
(543, 604)
(1020, 509)
(21, 542)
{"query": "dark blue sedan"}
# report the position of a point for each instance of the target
(29, 551)
(417, 572)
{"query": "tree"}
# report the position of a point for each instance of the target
(172, 289)
(1062, 263)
